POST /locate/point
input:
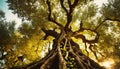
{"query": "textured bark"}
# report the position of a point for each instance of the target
(56, 60)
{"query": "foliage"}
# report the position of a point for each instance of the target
(6, 29)
(112, 9)
(67, 33)
(6, 34)
(111, 16)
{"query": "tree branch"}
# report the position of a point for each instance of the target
(62, 5)
(113, 19)
(79, 61)
(62, 62)
(69, 14)
(48, 62)
(94, 51)
(50, 33)
(106, 20)
(74, 5)
(86, 61)
(50, 13)
(100, 24)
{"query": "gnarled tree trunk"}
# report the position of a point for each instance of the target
(66, 54)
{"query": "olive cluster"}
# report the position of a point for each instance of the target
(71, 64)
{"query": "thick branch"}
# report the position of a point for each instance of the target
(80, 62)
(50, 13)
(76, 47)
(48, 62)
(69, 14)
(74, 5)
(50, 33)
(62, 62)
(87, 41)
